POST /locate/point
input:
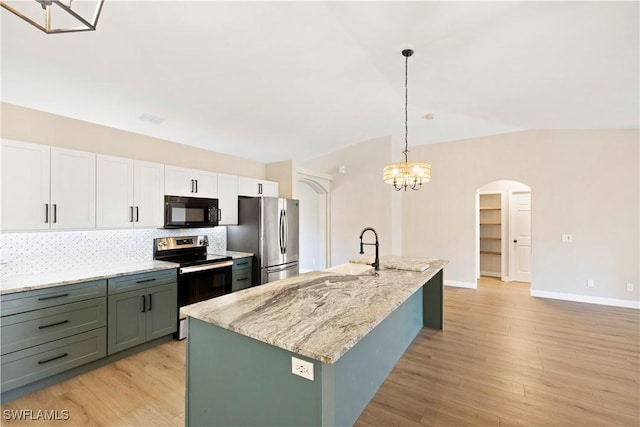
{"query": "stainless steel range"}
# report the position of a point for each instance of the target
(201, 276)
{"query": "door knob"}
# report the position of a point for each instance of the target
(515, 241)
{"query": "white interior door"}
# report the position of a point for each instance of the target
(520, 236)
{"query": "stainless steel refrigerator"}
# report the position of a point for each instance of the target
(267, 227)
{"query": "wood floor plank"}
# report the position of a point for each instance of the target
(504, 359)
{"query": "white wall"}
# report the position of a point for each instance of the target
(584, 182)
(359, 197)
(38, 127)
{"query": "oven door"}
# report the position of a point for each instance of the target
(200, 283)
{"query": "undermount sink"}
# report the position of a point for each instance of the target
(351, 268)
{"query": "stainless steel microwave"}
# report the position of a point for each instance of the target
(190, 212)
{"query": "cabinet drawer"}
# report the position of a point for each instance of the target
(21, 302)
(35, 363)
(242, 263)
(32, 328)
(141, 281)
(240, 279)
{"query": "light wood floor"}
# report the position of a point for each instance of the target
(504, 358)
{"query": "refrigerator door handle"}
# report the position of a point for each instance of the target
(280, 237)
(285, 231)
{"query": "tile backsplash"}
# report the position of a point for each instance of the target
(56, 250)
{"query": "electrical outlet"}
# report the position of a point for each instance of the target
(590, 283)
(567, 238)
(301, 368)
(629, 287)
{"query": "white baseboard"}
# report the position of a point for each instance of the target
(458, 284)
(588, 299)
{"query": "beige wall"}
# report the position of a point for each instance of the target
(359, 197)
(583, 182)
(24, 124)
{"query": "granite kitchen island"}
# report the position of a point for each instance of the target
(351, 329)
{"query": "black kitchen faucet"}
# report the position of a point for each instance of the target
(376, 263)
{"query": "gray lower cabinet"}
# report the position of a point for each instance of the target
(48, 331)
(142, 307)
(241, 274)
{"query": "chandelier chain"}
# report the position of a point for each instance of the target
(406, 105)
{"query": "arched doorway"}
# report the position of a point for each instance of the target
(503, 231)
(313, 191)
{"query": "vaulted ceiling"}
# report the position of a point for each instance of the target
(293, 80)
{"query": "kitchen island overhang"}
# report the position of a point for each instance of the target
(353, 329)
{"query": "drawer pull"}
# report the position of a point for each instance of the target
(145, 280)
(42, 362)
(244, 278)
(53, 297)
(53, 324)
(242, 263)
(144, 304)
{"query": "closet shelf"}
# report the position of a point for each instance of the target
(490, 252)
(490, 238)
(490, 223)
(490, 209)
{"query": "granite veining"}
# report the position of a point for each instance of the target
(233, 254)
(397, 262)
(318, 314)
(40, 280)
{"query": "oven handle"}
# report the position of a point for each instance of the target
(196, 268)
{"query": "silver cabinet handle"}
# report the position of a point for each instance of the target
(144, 304)
(137, 213)
(46, 213)
(196, 185)
(192, 187)
(130, 213)
(55, 213)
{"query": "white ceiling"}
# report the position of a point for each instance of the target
(293, 80)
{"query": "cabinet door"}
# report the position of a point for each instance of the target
(247, 187)
(228, 199)
(114, 192)
(206, 184)
(269, 188)
(177, 181)
(73, 189)
(162, 311)
(126, 324)
(25, 186)
(148, 194)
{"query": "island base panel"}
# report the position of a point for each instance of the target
(433, 302)
(236, 380)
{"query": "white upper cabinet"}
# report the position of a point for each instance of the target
(25, 186)
(228, 199)
(190, 182)
(148, 194)
(73, 189)
(257, 187)
(130, 193)
(47, 187)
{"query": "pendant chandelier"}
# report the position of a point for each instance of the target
(64, 18)
(403, 175)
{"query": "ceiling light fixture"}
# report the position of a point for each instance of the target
(403, 175)
(61, 19)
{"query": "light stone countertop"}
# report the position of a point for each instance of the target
(40, 280)
(391, 262)
(318, 314)
(234, 254)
